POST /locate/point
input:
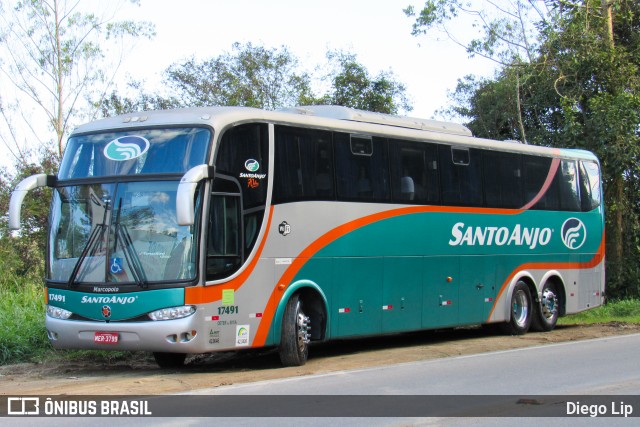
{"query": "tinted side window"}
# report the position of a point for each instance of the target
(303, 165)
(568, 183)
(244, 155)
(502, 179)
(361, 168)
(589, 185)
(536, 171)
(461, 183)
(224, 250)
(414, 172)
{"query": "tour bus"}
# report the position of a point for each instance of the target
(226, 228)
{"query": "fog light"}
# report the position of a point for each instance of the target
(172, 313)
(188, 336)
(58, 313)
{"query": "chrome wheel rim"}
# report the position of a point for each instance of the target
(520, 308)
(549, 304)
(304, 329)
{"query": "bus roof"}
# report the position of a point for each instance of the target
(325, 117)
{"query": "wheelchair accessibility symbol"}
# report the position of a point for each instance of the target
(115, 265)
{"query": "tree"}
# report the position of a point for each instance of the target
(55, 59)
(250, 76)
(352, 86)
(506, 34)
(256, 76)
(115, 104)
(581, 89)
(22, 254)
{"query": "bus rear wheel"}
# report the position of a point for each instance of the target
(520, 312)
(296, 328)
(548, 311)
(169, 360)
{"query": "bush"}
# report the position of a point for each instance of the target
(23, 336)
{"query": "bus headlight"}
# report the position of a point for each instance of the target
(58, 313)
(172, 313)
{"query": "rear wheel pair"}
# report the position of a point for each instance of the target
(524, 314)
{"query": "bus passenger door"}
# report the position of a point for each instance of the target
(358, 296)
(440, 291)
(477, 288)
(402, 294)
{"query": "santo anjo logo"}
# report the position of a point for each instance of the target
(126, 148)
(251, 165)
(574, 233)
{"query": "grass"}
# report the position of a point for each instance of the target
(22, 333)
(625, 311)
(23, 337)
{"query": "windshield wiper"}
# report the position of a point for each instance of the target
(130, 253)
(95, 236)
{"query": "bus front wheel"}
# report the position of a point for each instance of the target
(296, 328)
(169, 360)
(520, 311)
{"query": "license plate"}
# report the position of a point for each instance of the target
(106, 337)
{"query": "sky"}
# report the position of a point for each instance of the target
(378, 32)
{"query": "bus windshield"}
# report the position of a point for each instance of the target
(119, 233)
(112, 230)
(134, 152)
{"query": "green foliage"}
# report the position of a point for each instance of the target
(353, 86)
(626, 311)
(255, 76)
(576, 84)
(22, 253)
(23, 336)
(54, 56)
(251, 76)
(115, 104)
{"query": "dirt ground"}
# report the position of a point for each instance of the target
(142, 376)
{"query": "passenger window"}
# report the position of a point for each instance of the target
(361, 168)
(502, 179)
(589, 185)
(568, 183)
(303, 165)
(414, 172)
(461, 183)
(536, 171)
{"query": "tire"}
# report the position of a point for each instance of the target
(520, 312)
(296, 328)
(547, 312)
(169, 360)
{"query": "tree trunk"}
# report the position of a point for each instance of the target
(607, 14)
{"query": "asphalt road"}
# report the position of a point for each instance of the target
(568, 371)
(602, 366)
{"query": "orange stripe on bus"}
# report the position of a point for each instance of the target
(597, 259)
(547, 183)
(336, 233)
